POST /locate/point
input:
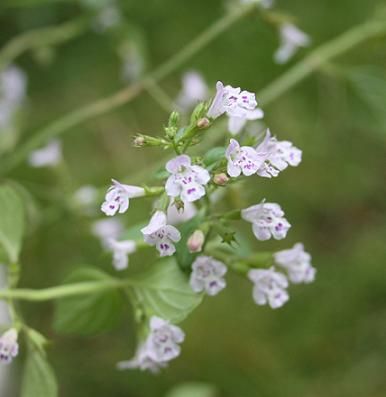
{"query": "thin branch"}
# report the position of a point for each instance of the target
(40, 38)
(125, 95)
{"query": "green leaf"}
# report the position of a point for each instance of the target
(11, 222)
(369, 84)
(193, 389)
(164, 291)
(38, 378)
(183, 256)
(92, 313)
(215, 154)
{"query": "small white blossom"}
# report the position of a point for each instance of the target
(48, 156)
(160, 234)
(160, 347)
(194, 90)
(9, 347)
(176, 216)
(121, 251)
(86, 196)
(142, 361)
(207, 275)
(186, 180)
(12, 92)
(107, 228)
(297, 262)
(108, 17)
(232, 101)
(278, 155)
(269, 287)
(117, 197)
(267, 221)
(242, 159)
(236, 124)
(291, 38)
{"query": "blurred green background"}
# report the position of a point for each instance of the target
(329, 340)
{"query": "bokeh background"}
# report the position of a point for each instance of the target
(329, 340)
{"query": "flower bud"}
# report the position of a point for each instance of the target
(138, 141)
(220, 179)
(203, 123)
(196, 241)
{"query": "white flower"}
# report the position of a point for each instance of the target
(269, 287)
(278, 155)
(164, 339)
(291, 38)
(242, 159)
(236, 124)
(108, 17)
(9, 347)
(175, 216)
(121, 251)
(160, 347)
(186, 180)
(158, 233)
(297, 262)
(12, 93)
(207, 275)
(86, 195)
(48, 156)
(194, 90)
(107, 228)
(142, 361)
(117, 197)
(267, 221)
(232, 101)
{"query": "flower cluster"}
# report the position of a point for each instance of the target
(161, 346)
(267, 159)
(270, 285)
(191, 188)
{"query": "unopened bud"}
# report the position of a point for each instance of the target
(196, 241)
(220, 179)
(203, 123)
(138, 141)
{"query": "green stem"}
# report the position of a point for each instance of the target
(125, 95)
(40, 38)
(63, 291)
(322, 55)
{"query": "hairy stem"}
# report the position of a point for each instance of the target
(40, 38)
(127, 94)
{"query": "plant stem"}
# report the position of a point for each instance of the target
(40, 38)
(322, 55)
(125, 95)
(64, 290)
